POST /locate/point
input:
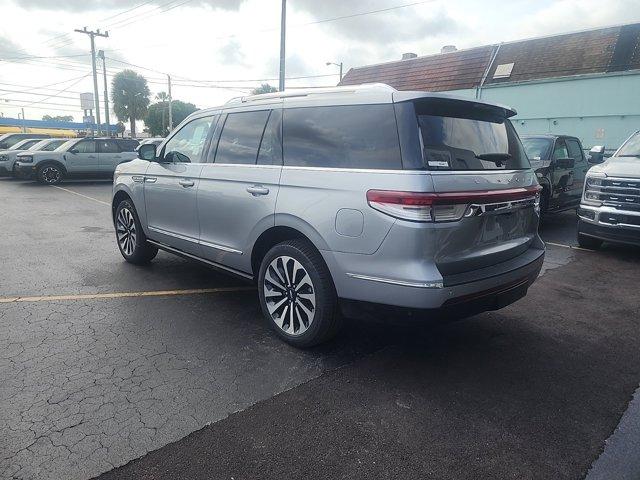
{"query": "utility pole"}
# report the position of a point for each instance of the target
(106, 92)
(92, 36)
(283, 28)
(24, 127)
(170, 108)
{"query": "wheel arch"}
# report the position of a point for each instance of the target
(51, 161)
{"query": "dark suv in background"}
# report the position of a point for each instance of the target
(561, 166)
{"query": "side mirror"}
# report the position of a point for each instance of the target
(596, 154)
(147, 152)
(74, 151)
(566, 162)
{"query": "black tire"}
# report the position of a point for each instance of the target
(326, 319)
(131, 240)
(50, 174)
(586, 241)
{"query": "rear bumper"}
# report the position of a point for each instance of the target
(485, 289)
(609, 224)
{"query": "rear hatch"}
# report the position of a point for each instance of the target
(485, 193)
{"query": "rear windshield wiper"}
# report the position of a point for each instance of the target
(498, 158)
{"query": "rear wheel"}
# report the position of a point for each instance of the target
(297, 294)
(50, 174)
(131, 239)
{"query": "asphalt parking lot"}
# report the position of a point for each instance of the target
(167, 371)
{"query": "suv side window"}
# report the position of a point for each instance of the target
(560, 150)
(350, 136)
(188, 143)
(85, 146)
(271, 145)
(575, 151)
(108, 146)
(240, 137)
(127, 145)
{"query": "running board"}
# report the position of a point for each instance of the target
(209, 263)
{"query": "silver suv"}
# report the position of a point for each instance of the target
(78, 157)
(339, 198)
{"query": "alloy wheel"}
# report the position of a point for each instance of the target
(126, 231)
(51, 174)
(290, 295)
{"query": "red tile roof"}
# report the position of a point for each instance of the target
(594, 51)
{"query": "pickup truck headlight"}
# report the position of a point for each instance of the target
(25, 159)
(592, 190)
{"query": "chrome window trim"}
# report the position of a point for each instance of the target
(403, 283)
(195, 240)
(357, 170)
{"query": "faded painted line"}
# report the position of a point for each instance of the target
(98, 296)
(81, 195)
(572, 247)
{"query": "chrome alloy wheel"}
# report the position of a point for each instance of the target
(126, 231)
(51, 174)
(289, 295)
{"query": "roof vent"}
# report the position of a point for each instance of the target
(408, 56)
(448, 49)
(503, 70)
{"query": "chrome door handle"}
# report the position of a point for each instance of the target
(150, 179)
(91, 156)
(187, 183)
(258, 190)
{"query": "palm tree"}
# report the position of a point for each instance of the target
(130, 97)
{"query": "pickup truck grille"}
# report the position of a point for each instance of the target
(621, 194)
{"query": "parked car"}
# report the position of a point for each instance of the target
(610, 207)
(8, 157)
(10, 139)
(78, 157)
(561, 166)
(326, 199)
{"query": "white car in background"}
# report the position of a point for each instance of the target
(9, 156)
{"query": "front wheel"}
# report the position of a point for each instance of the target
(297, 294)
(131, 239)
(50, 174)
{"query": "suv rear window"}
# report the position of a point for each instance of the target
(350, 136)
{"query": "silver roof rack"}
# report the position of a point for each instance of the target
(354, 89)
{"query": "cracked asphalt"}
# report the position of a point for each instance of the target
(195, 386)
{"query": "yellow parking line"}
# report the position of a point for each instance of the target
(81, 195)
(97, 296)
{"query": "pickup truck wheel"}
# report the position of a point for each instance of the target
(297, 294)
(131, 239)
(50, 174)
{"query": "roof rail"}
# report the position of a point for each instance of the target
(313, 91)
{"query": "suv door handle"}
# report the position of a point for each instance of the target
(258, 190)
(150, 179)
(186, 183)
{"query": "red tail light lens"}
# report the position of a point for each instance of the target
(449, 206)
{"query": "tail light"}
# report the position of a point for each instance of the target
(451, 206)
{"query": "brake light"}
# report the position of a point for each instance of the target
(450, 206)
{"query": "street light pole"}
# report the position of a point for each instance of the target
(337, 65)
(106, 91)
(24, 127)
(170, 107)
(283, 28)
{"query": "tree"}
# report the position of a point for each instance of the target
(120, 128)
(157, 112)
(58, 118)
(264, 88)
(130, 97)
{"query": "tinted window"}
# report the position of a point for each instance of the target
(108, 146)
(575, 151)
(188, 143)
(560, 150)
(52, 145)
(271, 145)
(85, 147)
(11, 141)
(352, 136)
(454, 143)
(127, 145)
(537, 148)
(240, 137)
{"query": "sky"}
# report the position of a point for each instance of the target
(219, 49)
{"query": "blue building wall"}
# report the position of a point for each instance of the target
(54, 124)
(600, 109)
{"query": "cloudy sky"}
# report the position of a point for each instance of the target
(218, 49)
